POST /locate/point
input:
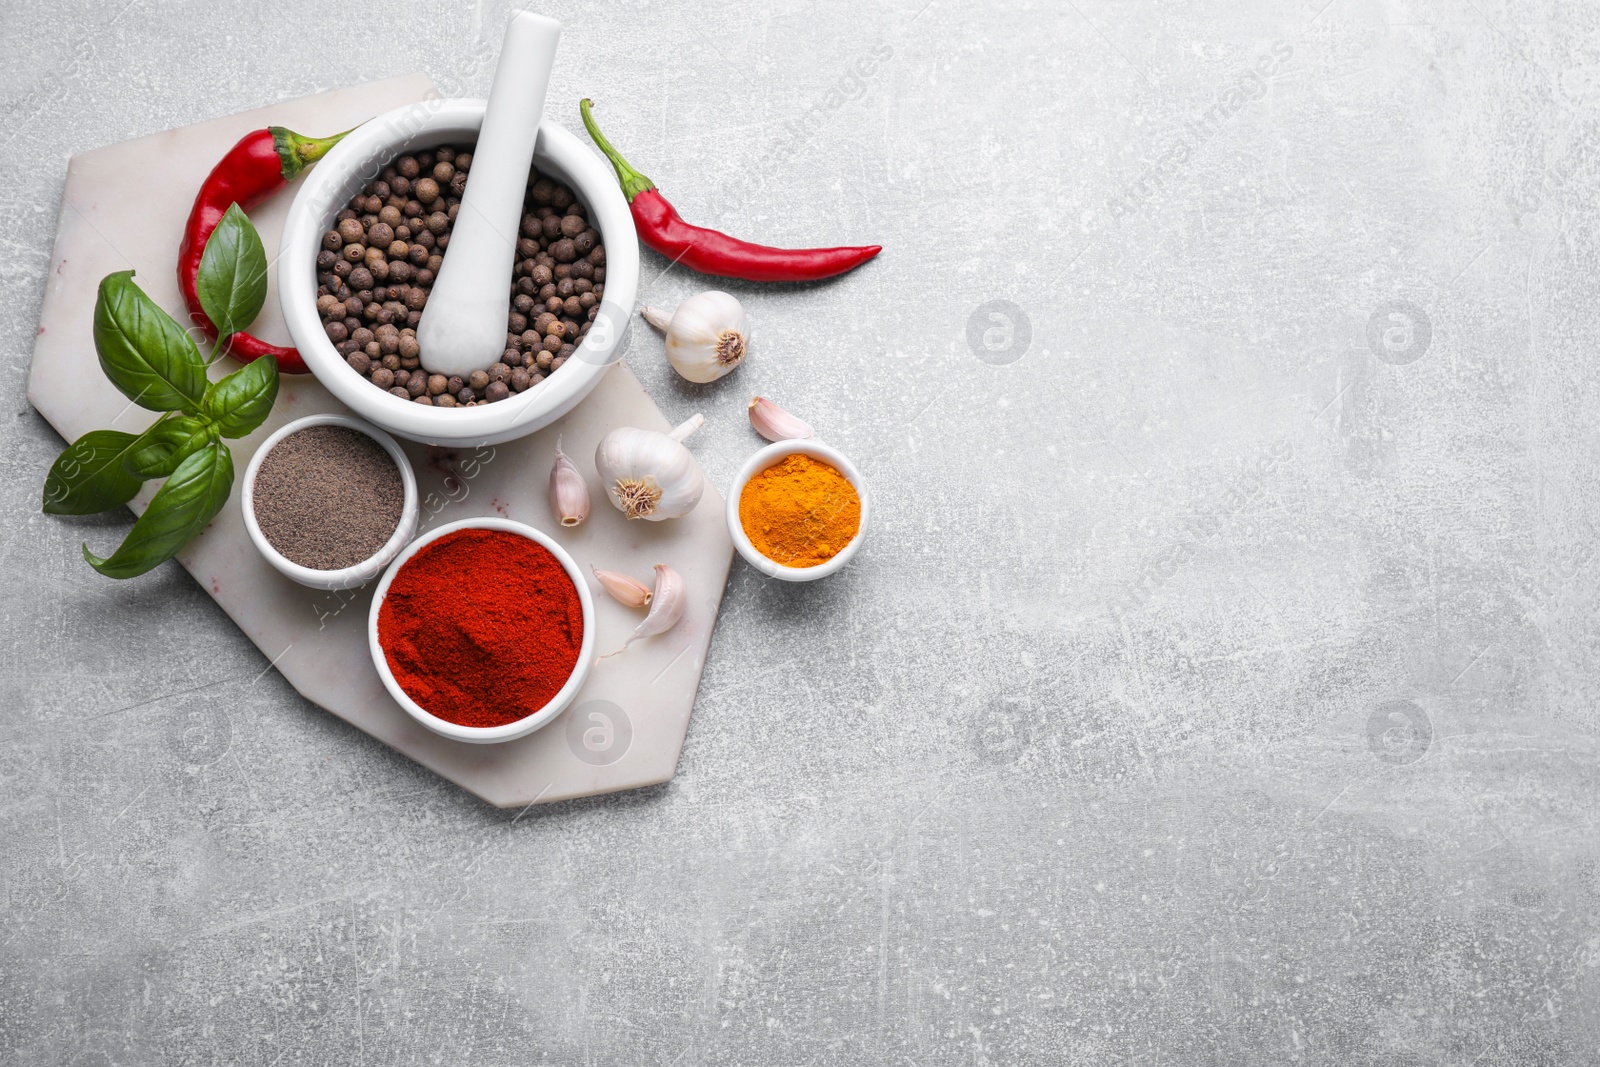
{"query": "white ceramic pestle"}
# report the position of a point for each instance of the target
(463, 326)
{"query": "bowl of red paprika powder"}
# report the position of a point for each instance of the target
(482, 630)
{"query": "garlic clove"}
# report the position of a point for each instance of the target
(569, 493)
(625, 590)
(650, 475)
(776, 424)
(707, 337)
(667, 603)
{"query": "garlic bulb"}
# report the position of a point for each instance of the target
(625, 590)
(706, 337)
(650, 475)
(774, 423)
(667, 602)
(569, 493)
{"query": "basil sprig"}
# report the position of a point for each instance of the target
(155, 363)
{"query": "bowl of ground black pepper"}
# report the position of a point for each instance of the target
(329, 501)
(364, 240)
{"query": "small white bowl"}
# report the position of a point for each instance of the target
(487, 735)
(771, 456)
(345, 577)
(357, 160)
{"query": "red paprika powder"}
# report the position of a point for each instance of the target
(481, 627)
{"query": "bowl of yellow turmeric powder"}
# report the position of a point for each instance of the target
(797, 510)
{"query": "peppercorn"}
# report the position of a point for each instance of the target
(400, 391)
(478, 379)
(383, 256)
(336, 331)
(359, 362)
(383, 377)
(444, 400)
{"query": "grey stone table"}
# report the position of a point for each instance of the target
(1218, 685)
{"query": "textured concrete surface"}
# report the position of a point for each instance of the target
(1218, 686)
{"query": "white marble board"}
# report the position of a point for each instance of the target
(124, 206)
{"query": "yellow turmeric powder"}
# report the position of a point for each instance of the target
(800, 512)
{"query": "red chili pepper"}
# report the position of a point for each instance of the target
(711, 251)
(263, 162)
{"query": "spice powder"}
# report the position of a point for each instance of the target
(481, 627)
(328, 497)
(800, 512)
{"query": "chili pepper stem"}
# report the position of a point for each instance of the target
(298, 152)
(633, 183)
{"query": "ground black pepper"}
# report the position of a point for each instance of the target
(328, 497)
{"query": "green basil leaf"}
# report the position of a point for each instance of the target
(188, 501)
(167, 444)
(89, 476)
(233, 273)
(143, 351)
(241, 401)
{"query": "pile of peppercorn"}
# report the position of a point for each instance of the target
(377, 266)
